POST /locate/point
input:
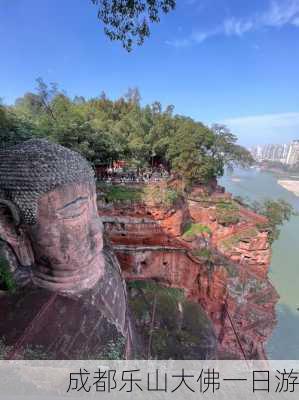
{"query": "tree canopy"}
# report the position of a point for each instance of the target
(128, 21)
(277, 212)
(104, 131)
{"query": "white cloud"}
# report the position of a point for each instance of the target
(179, 42)
(196, 37)
(296, 22)
(233, 26)
(279, 13)
(267, 128)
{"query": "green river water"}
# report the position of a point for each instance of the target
(284, 270)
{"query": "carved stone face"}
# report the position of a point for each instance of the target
(65, 245)
(48, 215)
(67, 239)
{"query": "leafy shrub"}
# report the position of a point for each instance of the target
(6, 276)
(170, 325)
(160, 195)
(244, 236)
(276, 211)
(114, 351)
(227, 213)
(196, 229)
(4, 349)
(204, 253)
(119, 193)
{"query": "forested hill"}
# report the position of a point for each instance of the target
(104, 130)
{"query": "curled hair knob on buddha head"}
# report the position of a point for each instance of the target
(35, 167)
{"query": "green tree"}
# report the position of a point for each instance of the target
(13, 129)
(128, 21)
(277, 212)
(226, 151)
(104, 130)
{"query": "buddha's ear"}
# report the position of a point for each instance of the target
(13, 234)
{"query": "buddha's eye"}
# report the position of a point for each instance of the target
(73, 209)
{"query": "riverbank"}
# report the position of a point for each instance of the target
(258, 186)
(291, 186)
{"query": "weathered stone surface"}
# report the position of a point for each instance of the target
(62, 239)
(51, 325)
(232, 289)
(36, 167)
(73, 303)
(169, 325)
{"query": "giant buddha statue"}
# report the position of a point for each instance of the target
(71, 300)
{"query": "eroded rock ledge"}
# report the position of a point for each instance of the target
(212, 248)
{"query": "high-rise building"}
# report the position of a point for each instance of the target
(284, 153)
(293, 153)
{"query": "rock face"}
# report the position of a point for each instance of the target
(214, 249)
(93, 324)
(170, 326)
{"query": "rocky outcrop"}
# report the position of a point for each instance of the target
(212, 248)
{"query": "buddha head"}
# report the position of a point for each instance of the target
(48, 215)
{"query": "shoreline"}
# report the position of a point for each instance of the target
(291, 186)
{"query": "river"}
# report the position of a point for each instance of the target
(284, 270)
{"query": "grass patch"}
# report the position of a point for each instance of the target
(228, 205)
(234, 240)
(151, 194)
(196, 229)
(205, 254)
(159, 195)
(121, 193)
(153, 288)
(227, 212)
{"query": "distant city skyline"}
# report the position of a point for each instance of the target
(265, 129)
(287, 153)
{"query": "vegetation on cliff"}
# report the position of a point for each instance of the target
(170, 326)
(277, 213)
(192, 230)
(7, 281)
(158, 194)
(104, 131)
(227, 212)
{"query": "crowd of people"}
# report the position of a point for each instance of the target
(123, 175)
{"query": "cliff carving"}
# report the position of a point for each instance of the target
(73, 303)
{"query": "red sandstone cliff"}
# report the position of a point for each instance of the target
(221, 261)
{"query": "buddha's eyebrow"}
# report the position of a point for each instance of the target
(78, 200)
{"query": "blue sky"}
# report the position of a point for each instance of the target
(232, 61)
